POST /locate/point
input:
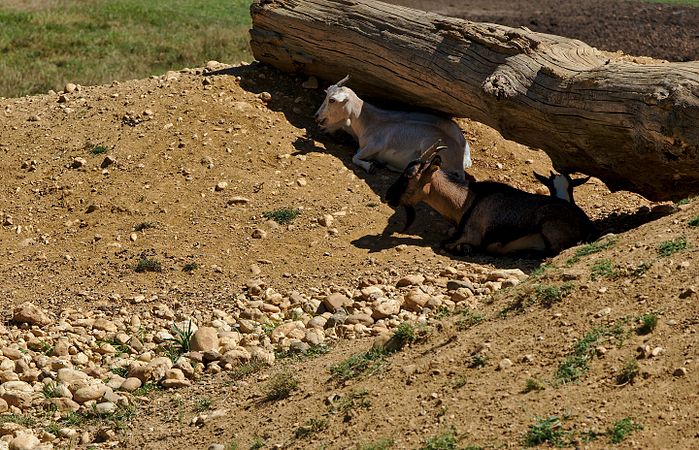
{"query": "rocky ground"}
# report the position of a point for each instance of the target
(154, 300)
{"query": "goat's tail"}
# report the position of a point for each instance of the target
(467, 156)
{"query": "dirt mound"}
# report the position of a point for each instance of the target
(186, 169)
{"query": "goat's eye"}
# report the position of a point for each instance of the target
(331, 100)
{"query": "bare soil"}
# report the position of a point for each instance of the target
(66, 241)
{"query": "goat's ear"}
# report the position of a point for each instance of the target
(412, 169)
(541, 178)
(579, 181)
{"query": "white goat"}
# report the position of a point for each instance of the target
(391, 138)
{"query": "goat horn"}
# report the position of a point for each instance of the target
(432, 150)
(342, 81)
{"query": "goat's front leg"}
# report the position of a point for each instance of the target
(362, 155)
(462, 243)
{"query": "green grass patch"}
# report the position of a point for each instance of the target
(253, 366)
(576, 364)
(367, 363)
(145, 389)
(282, 216)
(280, 386)
(647, 324)
(257, 443)
(589, 249)
(46, 44)
(444, 441)
(628, 373)
(381, 444)
(99, 149)
(547, 294)
(532, 385)
(355, 399)
(547, 430)
(468, 319)
(190, 267)
(603, 268)
(672, 246)
(622, 428)
(311, 427)
(694, 221)
(148, 265)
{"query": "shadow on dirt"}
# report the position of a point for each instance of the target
(299, 105)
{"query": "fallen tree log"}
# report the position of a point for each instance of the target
(632, 122)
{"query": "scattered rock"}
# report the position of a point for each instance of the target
(411, 280)
(680, 372)
(29, 313)
(204, 339)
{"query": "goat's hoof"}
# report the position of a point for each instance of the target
(458, 249)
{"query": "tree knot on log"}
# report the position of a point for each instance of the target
(499, 86)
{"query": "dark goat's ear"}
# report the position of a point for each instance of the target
(579, 181)
(412, 169)
(542, 178)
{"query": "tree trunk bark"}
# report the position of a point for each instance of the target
(632, 122)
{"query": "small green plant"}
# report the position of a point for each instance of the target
(628, 372)
(444, 441)
(640, 269)
(546, 430)
(550, 294)
(98, 149)
(19, 419)
(533, 384)
(477, 361)
(694, 221)
(50, 390)
(355, 399)
(381, 444)
(190, 267)
(684, 201)
(257, 443)
(589, 249)
(280, 386)
(622, 428)
(255, 365)
(148, 265)
(541, 270)
(603, 268)
(468, 320)
(404, 335)
(202, 404)
(358, 364)
(460, 381)
(180, 341)
(233, 445)
(282, 216)
(667, 248)
(146, 389)
(143, 226)
(313, 352)
(311, 427)
(372, 205)
(648, 322)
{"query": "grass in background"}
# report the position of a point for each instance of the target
(46, 44)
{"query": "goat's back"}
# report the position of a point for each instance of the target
(501, 213)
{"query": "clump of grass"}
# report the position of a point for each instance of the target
(255, 365)
(533, 384)
(257, 443)
(622, 428)
(280, 386)
(460, 381)
(628, 372)
(546, 430)
(640, 269)
(444, 441)
(381, 444)
(589, 249)
(282, 216)
(576, 364)
(190, 267)
(143, 226)
(672, 246)
(603, 268)
(145, 389)
(123, 372)
(19, 419)
(355, 399)
(148, 265)
(180, 341)
(694, 221)
(469, 320)
(311, 427)
(477, 361)
(366, 363)
(549, 294)
(50, 390)
(202, 404)
(541, 270)
(648, 322)
(404, 335)
(99, 149)
(313, 352)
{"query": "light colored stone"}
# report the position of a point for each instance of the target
(153, 371)
(411, 280)
(87, 393)
(326, 220)
(204, 339)
(105, 408)
(130, 384)
(415, 300)
(24, 441)
(385, 307)
(336, 301)
(504, 364)
(64, 404)
(29, 313)
(105, 325)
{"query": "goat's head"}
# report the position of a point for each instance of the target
(561, 185)
(411, 186)
(334, 113)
